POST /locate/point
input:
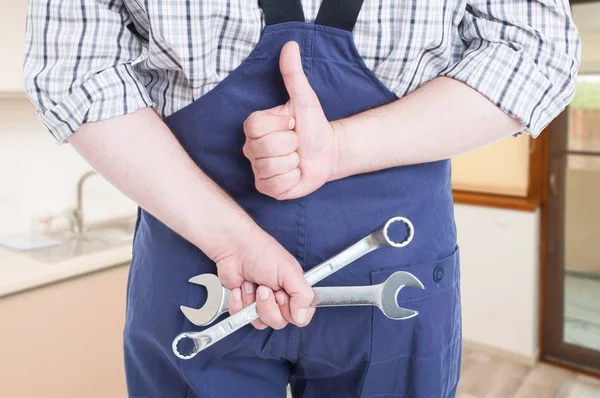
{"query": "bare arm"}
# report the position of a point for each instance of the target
(139, 155)
(442, 119)
(92, 97)
(519, 66)
(516, 73)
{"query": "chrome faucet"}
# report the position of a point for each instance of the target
(77, 225)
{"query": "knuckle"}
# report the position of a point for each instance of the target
(259, 167)
(281, 196)
(246, 150)
(262, 187)
(275, 186)
(259, 325)
(248, 299)
(281, 182)
(305, 301)
(306, 295)
(266, 167)
(294, 159)
(279, 325)
(280, 189)
(229, 281)
(277, 189)
(247, 124)
(253, 124)
(259, 186)
(310, 294)
(269, 144)
(271, 166)
(296, 176)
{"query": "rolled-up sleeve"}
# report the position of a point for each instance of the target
(78, 63)
(523, 55)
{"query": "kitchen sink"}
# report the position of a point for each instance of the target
(96, 238)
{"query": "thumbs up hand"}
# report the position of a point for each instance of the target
(293, 148)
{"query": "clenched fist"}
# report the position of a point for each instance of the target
(260, 270)
(293, 148)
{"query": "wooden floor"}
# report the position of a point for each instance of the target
(486, 375)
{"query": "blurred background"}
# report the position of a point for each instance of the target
(528, 218)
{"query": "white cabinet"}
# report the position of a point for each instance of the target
(65, 340)
(12, 47)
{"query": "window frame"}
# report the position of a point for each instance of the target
(534, 197)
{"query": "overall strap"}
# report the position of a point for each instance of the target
(279, 11)
(341, 14)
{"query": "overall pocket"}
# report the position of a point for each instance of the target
(419, 357)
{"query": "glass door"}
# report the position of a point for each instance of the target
(582, 219)
(571, 300)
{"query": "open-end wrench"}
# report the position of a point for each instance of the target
(379, 238)
(383, 296)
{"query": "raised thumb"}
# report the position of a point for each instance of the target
(290, 65)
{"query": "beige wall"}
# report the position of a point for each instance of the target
(582, 228)
(500, 278)
(65, 340)
(587, 19)
(12, 45)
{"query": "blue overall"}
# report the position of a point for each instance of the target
(343, 352)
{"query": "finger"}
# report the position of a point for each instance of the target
(235, 301)
(249, 297)
(229, 279)
(290, 66)
(301, 295)
(260, 123)
(274, 166)
(278, 186)
(267, 308)
(283, 299)
(279, 143)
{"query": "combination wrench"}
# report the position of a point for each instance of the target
(383, 295)
(377, 239)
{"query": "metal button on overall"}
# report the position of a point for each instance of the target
(343, 352)
(438, 274)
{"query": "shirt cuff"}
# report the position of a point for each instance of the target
(110, 93)
(512, 81)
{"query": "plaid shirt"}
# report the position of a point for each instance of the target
(89, 60)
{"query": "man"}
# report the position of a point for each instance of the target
(260, 141)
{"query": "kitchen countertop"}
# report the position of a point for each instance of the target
(18, 272)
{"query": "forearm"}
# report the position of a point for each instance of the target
(442, 119)
(140, 156)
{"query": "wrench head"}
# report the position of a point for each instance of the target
(389, 295)
(216, 298)
(396, 232)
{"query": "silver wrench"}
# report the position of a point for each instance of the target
(375, 240)
(383, 296)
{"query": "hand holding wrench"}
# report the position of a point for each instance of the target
(376, 240)
(383, 295)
